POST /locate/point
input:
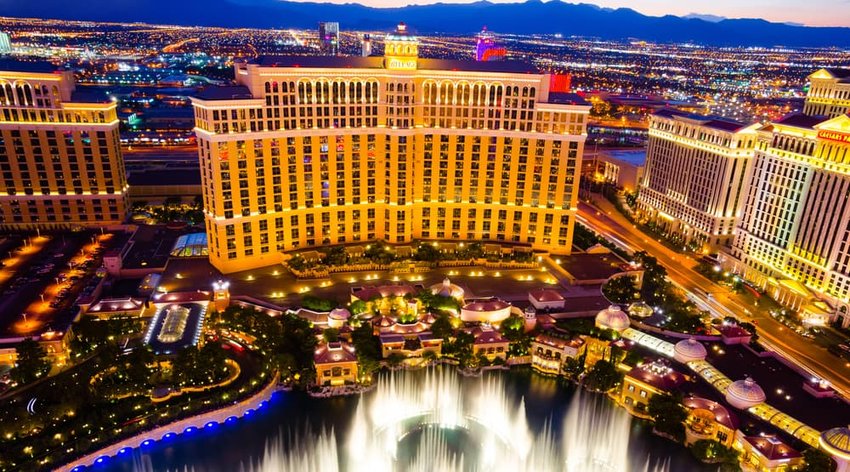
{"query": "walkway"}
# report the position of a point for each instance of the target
(720, 382)
(188, 425)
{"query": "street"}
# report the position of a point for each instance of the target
(608, 222)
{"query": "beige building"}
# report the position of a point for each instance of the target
(60, 156)
(336, 364)
(312, 151)
(696, 168)
(793, 239)
(829, 93)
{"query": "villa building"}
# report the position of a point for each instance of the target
(306, 152)
(490, 344)
(767, 454)
(549, 353)
(60, 154)
(708, 420)
(643, 382)
(336, 364)
(696, 169)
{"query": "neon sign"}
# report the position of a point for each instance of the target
(836, 136)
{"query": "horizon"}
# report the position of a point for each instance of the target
(790, 11)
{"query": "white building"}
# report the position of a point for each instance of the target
(696, 168)
(829, 94)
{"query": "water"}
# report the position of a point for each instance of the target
(428, 421)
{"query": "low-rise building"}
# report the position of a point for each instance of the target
(767, 454)
(411, 345)
(546, 299)
(490, 343)
(549, 353)
(708, 420)
(336, 364)
(644, 381)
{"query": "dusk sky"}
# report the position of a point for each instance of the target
(811, 12)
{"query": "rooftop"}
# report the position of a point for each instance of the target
(15, 65)
(709, 121)
(772, 448)
(377, 62)
(334, 352)
(224, 92)
(801, 120)
(659, 375)
(563, 98)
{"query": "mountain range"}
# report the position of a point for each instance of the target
(530, 17)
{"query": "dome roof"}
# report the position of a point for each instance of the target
(640, 310)
(447, 289)
(688, 350)
(612, 318)
(339, 314)
(743, 394)
(836, 441)
(385, 322)
(493, 304)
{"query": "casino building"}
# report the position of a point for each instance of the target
(696, 169)
(793, 236)
(60, 156)
(306, 152)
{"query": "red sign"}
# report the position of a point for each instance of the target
(834, 136)
(560, 83)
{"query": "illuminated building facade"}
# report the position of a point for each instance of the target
(311, 151)
(794, 237)
(829, 93)
(487, 49)
(5, 43)
(60, 156)
(695, 174)
(329, 37)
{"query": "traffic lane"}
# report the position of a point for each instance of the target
(795, 347)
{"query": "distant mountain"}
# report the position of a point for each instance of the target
(704, 17)
(533, 16)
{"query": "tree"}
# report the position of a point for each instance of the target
(336, 256)
(31, 362)
(428, 253)
(331, 335)
(317, 304)
(358, 307)
(669, 415)
(620, 289)
(603, 376)
(429, 356)
(513, 327)
(442, 326)
(712, 452)
(395, 359)
(817, 461)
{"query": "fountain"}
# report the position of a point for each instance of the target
(415, 422)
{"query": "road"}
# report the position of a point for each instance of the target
(607, 221)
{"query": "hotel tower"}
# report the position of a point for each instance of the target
(306, 152)
(696, 169)
(793, 238)
(60, 156)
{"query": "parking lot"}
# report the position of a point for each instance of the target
(47, 280)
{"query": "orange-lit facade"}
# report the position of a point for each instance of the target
(60, 157)
(793, 239)
(312, 151)
(695, 174)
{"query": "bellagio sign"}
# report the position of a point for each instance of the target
(834, 136)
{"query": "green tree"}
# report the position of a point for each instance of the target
(358, 307)
(336, 256)
(603, 376)
(513, 327)
(428, 253)
(331, 335)
(621, 289)
(669, 415)
(442, 326)
(817, 461)
(429, 356)
(395, 359)
(712, 452)
(317, 304)
(31, 362)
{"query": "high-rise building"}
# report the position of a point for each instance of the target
(311, 151)
(5, 43)
(829, 93)
(487, 49)
(329, 37)
(794, 237)
(366, 45)
(60, 155)
(696, 169)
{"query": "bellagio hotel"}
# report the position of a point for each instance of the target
(60, 156)
(306, 152)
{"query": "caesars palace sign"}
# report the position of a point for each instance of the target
(836, 136)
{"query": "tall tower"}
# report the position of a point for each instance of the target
(366, 44)
(329, 37)
(486, 48)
